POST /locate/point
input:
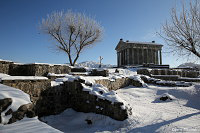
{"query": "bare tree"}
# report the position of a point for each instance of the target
(182, 32)
(73, 32)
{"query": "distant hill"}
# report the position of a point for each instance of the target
(92, 64)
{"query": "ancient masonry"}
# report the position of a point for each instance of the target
(49, 100)
(138, 53)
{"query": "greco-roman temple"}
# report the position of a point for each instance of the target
(138, 53)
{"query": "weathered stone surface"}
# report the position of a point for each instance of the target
(26, 109)
(5, 103)
(71, 95)
(164, 83)
(4, 68)
(167, 77)
(32, 87)
(182, 73)
(10, 111)
(37, 69)
(118, 83)
(96, 72)
(144, 72)
(78, 69)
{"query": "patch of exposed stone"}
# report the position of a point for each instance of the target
(24, 110)
(4, 66)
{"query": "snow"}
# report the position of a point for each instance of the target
(5, 60)
(179, 114)
(2, 75)
(24, 78)
(67, 78)
(74, 122)
(28, 125)
(47, 64)
(53, 74)
(8, 77)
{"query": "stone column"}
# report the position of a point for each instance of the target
(138, 55)
(153, 56)
(128, 56)
(125, 57)
(142, 56)
(160, 58)
(147, 56)
(121, 58)
(156, 57)
(118, 59)
(150, 56)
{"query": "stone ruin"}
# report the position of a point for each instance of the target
(188, 75)
(47, 100)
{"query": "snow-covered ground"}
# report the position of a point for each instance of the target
(149, 113)
(181, 114)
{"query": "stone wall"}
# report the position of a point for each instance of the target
(71, 95)
(96, 72)
(49, 100)
(37, 69)
(32, 87)
(4, 66)
(182, 73)
(118, 83)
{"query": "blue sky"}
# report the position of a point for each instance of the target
(134, 20)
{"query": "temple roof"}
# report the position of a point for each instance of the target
(136, 44)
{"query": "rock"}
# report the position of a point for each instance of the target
(96, 72)
(30, 114)
(12, 120)
(18, 115)
(164, 98)
(144, 72)
(116, 71)
(78, 69)
(101, 92)
(89, 122)
(25, 107)
(5, 103)
(10, 111)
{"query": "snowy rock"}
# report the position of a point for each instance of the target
(26, 109)
(5, 103)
